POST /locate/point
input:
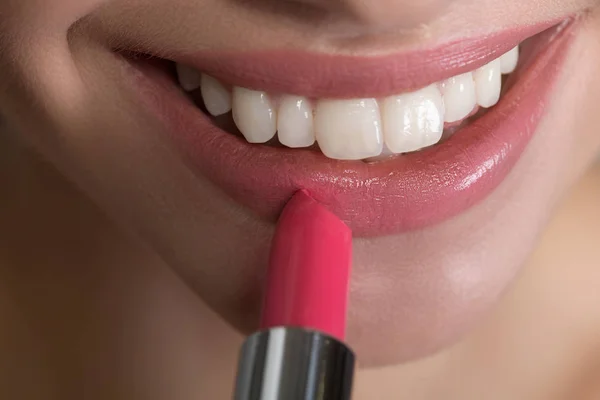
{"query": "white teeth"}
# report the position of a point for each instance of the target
(412, 121)
(509, 60)
(355, 129)
(349, 129)
(254, 115)
(488, 83)
(189, 78)
(217, 98)
(295, 122)
(459, 97)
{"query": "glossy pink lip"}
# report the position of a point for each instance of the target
(405, 193)
(334, 76)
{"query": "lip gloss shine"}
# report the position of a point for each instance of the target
(299, 352)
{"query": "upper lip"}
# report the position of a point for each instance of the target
(317, 75)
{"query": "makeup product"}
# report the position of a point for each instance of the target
(299, 353)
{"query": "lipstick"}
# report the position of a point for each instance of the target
(299, 353)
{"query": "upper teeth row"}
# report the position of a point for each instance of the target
(354, 129)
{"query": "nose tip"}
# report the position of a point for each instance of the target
(385, 14)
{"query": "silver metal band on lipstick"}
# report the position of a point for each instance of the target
(294, 364)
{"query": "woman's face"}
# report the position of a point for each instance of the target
(439, 233)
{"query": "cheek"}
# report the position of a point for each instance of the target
(56, 16)
(578, 120)
(36, 51)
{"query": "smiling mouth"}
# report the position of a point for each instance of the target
(389, 144)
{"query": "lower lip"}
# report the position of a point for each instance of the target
(406, 193)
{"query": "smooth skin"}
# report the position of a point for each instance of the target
(122, 273)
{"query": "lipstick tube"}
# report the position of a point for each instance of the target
(294, 364)
(299, 352)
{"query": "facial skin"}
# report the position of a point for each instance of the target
(412, 293)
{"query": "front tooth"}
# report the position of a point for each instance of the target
(349, 129)
(295, 122)
(254, 115)
(189, 78)
(412, 121)
(217, 98)
(488, 83)
(459, 97)
(509, 60)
